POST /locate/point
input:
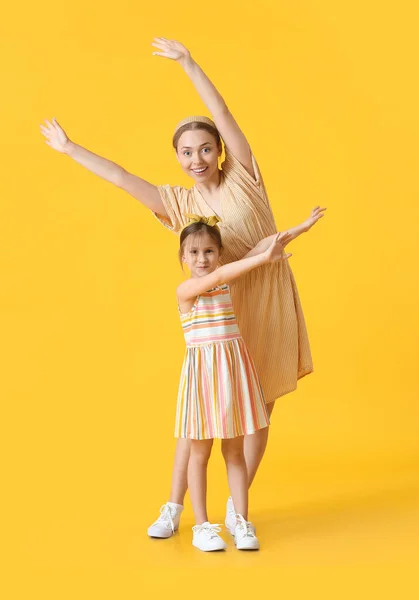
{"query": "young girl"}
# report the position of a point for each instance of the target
(220, 395)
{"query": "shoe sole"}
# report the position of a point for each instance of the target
(209, 549)
(250, 549)
(161, 537)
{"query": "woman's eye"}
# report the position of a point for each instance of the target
(186, 153)
(205, 150)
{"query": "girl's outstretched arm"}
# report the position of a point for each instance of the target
(140, 189)
(193, 287)
(316, 214)
(229, 130)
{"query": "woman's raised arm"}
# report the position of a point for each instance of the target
(231, 133)
(140, 189)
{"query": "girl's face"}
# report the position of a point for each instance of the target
(201, 254)
(198, 153)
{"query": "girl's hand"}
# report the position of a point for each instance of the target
(171, 49)
(316, 214)
(55, 136)
(276, 249)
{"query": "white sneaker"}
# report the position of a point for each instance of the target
(168, 522)
(231, 517)
(206, 538)
(244, 535)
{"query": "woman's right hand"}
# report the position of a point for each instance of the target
(55, 136)
(276, 249)
(171, 49)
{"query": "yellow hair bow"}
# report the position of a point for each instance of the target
(210, 221)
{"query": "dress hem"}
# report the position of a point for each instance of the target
(231, 437)
(302, 373)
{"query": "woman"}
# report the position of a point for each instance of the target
(266, 300)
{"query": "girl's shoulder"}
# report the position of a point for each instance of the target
(186, 309)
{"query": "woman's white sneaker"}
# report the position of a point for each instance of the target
(244, 535)
(206, 538)
(168, 522)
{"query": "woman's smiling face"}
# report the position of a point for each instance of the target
(198, 153)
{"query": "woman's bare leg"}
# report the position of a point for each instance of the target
(255, 446)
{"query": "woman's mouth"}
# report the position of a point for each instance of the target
(200, 170)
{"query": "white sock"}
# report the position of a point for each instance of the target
(174, 505)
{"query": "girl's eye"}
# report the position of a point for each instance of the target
(205, 150)
(186, 153)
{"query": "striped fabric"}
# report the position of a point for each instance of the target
(220, 395)
(266, 301)
(211, 319)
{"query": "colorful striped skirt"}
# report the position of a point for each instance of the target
(220, 395)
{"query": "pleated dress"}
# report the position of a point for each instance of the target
(220, 395)
(266, 300)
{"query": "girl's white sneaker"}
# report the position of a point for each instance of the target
(206, 538)
(244, 535)
(168, 522)
(230, 521)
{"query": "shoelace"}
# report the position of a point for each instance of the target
(244, 525)
(209, 530)
(166, 517)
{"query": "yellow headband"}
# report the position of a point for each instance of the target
(210, 221)
(198, 119)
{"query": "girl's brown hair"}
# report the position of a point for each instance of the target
(193, 127)
(199, 229)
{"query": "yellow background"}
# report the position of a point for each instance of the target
(91, 344)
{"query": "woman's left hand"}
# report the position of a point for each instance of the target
(316, 214)
(171, 49)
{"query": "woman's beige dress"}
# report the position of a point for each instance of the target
(265, 300)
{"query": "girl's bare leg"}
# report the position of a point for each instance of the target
(180, 471)
(237, 473)
(197, 478)
(254, 449)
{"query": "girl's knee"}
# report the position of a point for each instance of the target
(201, 450)
(233, 450)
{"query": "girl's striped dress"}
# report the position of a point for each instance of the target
(220, 395)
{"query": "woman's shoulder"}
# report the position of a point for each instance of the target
(175, 190)
(177, 201)
(239, 182)
(232, 168)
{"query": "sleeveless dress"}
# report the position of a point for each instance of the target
(266, 301)
(220, 395)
